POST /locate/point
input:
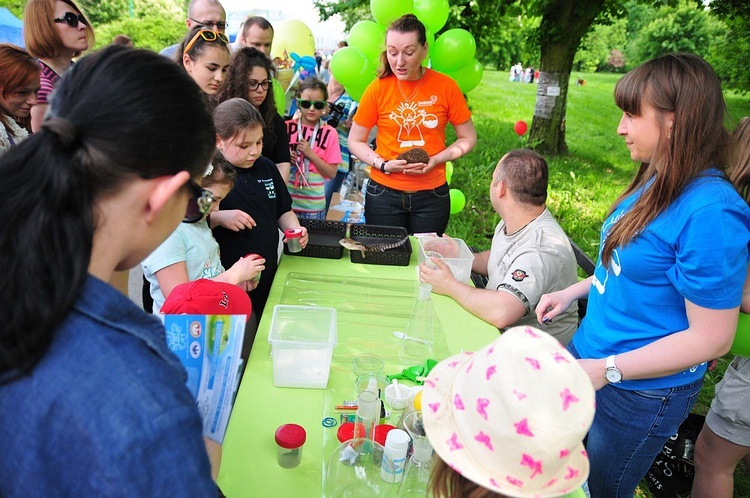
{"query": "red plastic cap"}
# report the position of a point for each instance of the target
(290, 436)
(346, 431)
(293, 233)
(381, 432)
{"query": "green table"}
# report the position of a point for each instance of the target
(361, 293)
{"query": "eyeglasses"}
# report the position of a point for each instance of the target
(222, 25)
(207, 35)
(319, 104)
(253, 85)
(200, 203)
(72, 19)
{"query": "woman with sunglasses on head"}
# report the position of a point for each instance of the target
(92, 401)
(665, 295)
(250, 77)
(316, 153)
(54, 31)
(204, 54)
(411, 105)
(18, 93)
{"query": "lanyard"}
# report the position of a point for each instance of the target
(303, 173)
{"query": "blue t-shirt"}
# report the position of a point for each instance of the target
(105, 413)
(696, 250)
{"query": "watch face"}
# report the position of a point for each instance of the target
(613, 375)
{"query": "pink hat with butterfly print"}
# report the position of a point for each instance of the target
(512, 416)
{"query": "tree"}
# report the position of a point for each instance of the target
(683, 29)
(730, 49)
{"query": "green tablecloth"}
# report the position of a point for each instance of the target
(367, 316)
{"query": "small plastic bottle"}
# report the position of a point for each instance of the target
(290, 438)
(394, 456)
(419, 337)
(368, 408)
(292, 239)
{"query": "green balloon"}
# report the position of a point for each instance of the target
(458, 201)
(279, 97)
(741, 344)
(432, 13)
(578, 493)
(355, 92)
(369, 37)
(387, 11)
(430, 45)
(469, 76)
(453, 50)
(448, 172)
(351, 67)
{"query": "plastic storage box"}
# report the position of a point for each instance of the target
(454, 252)
(323, 240)
(302, 339)
(376, 234)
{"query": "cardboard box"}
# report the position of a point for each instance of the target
(349, 211)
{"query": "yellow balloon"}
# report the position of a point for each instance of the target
(448, 172)
(292, 36)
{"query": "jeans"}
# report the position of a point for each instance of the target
(418, 212)
(630, 428)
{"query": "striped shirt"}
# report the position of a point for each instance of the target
(48, 79)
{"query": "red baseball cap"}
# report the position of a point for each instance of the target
(207, 297)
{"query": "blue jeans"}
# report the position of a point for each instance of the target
(418, 212)
(314, 215)
(630, 428)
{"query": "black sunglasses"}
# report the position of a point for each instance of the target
(222, 25)
(72, 19)
(199, 204)
(319, 104)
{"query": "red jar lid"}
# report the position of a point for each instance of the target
(381, 431)
(293, 233)
(290, 436)
(346, 431)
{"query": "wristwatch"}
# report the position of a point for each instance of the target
(382, 167)
(612, 373)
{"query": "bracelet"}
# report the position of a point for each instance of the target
(382, 167)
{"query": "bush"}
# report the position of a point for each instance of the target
(153, 33)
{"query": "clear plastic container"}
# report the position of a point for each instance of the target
(256, 278)
(367, 364)
(293, 236)
(290, 438)
(453, 252)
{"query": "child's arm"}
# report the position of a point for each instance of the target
(171, 276)
(243, 270)
(233, 219)
(289, 220)
(324, 168)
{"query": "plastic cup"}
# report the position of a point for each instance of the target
(363, 382)
(252, 255)
(367, 364)
(290, 439)
(293, 236)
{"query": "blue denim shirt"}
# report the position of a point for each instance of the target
(105, 413)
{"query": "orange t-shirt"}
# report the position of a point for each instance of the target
(417, 122)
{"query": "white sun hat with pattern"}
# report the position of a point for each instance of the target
(512, 416)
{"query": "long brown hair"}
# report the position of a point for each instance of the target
(739, 171)
(686, 85)
(447, 483)
(18, 68)
(408, 23)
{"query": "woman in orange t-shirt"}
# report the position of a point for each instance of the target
(411, 106)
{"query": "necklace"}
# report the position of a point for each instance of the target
(414, 93)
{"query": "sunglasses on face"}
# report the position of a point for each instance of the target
(72, 19)
(254, 85)
(207, 35)
(199, 204)
(222, 25)
(318, 104)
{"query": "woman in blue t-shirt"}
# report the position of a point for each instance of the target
(665, 295)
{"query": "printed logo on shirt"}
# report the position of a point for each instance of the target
(518, 275)
(268, 183)
(410, 120)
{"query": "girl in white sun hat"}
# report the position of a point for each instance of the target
(509, 418)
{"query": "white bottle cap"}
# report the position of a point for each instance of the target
(397, 439)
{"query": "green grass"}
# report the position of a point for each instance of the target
(583, 183)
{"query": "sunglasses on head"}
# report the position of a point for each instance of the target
(199, 204)
(318, 104)
(72, 19)
(222, 25)
(207, 35)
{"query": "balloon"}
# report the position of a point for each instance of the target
(469, 76)
(432, 13)
(453, 50)
(369, 37)
(305, 63)
(279, 97)
(290, 36)
(520, 128)
(351, 67)
(355, 92)
(458, 200)
(741, 344)
(387, 11)
(448, 172)
(430, 39)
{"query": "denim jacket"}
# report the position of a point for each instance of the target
(105, 413)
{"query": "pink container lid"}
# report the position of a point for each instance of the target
(290, 436)
(293, 233)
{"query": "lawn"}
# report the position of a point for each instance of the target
(583, 183)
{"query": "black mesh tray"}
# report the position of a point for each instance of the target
(375, 234)
(323, 240)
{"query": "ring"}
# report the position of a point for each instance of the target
(329, 422)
